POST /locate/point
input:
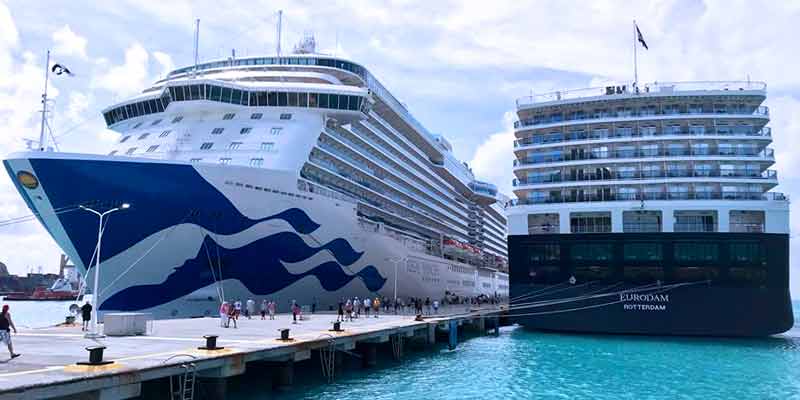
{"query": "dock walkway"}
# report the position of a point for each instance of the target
(48, 369)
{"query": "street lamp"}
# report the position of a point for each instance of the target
(95, 292)
(395, 260)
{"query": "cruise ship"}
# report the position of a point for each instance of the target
(295, 177)
(648, 209)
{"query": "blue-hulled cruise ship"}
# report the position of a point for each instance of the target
(296, 177)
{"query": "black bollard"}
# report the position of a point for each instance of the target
(285, 334)
(337, 327)
(211, 343)
(95, 356)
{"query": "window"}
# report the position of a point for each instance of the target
(245, 131)
(747, 253)
(152, 148)
(642, 251)
(256, 162)
(124, 139)
(591, 252)
(228, 116)
(165, 133)
(267, 146)
(286, 116)
(137, 125)
(112, 152)
(217, 131)
(224, 160)
(130, 151)
(234, 145)
(143, 136)
(590, 222)
(156, 122)
(177, 119)
(206, 146)
(276, 130)
(256, 115)
(696, 253)
(195, 160)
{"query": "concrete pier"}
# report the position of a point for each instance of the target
(47, 368)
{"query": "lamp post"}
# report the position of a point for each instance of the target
(95, 292)
(395, 260)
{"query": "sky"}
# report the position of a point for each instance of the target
(458, 65)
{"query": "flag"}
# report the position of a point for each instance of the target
(640, 37)
(59, 69)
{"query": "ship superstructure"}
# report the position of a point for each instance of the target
(304, 160)
(625, 186)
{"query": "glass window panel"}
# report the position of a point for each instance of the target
(272, 98)
(293, 101)
(313, 101)
(303, 100)
(216, 93)
(282, 99)
(323, 100)
(226, 95)
(262, 99)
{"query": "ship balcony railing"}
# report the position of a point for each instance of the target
(766, 154)
(753, 227)
(596, 228)
(641, 227)
(616, 176)
(574, 136)
(647, 196)
(694, 227)
(760, 111)
(643, 89)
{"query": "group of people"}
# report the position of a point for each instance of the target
(350, 309)
(230, 312)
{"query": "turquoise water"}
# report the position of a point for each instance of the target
(520, 364)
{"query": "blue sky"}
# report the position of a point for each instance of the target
(458, 65)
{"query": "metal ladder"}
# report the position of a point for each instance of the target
(181, 386)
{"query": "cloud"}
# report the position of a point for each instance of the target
(165, 61)
(492, 160)
(69, 43)
(78, 104)
(129, 77)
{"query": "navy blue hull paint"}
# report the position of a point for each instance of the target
(162, 195)
(257, 265)
(740, 288)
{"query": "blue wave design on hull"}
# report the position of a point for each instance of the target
(258, 266)
(161, 195)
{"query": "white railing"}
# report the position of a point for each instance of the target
(628, 89)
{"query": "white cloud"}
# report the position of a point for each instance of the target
(165, 61)
(128, 78)
(69, 43)
(76, 109)
(492, 161)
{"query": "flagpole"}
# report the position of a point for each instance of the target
(44, 101)
(635, 62)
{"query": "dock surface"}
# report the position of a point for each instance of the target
(48, 369)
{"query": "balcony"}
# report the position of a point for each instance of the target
(616, 176)
(761, 111)
(669, 88)
(766, 154)
(576, 136)
(649, 196)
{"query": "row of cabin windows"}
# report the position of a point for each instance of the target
(254, 162)
(265, 146)
(233, 96)
(215, 131)
(750, 253)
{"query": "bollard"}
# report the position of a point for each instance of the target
(337, 327)
(211, 343)
(95, 356)
(453, 334)
(285, 334)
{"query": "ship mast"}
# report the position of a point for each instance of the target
(44, 102)
(278, 45)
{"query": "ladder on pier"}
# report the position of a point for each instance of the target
(181, 386)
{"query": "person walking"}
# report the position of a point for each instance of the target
(436, 306)
(5, 333)
(233, 315)
(223, 314)
(428, 305)
(348, 310)
(271, 308)
(376, 306)
(295, 311)
(340, 315)
(314, 305)
(264, 309)
(86, 314)
(367, 305)
(250, 308)
(237, 308)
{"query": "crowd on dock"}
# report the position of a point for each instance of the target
(353, 308)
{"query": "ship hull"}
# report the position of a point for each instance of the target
(722, 295)
(196, 234)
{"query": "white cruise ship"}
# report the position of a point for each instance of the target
(296, 177)
(648, 210)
